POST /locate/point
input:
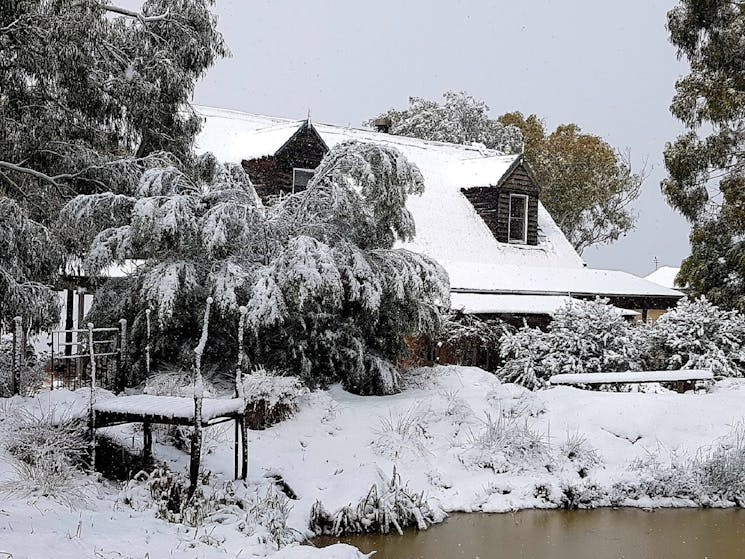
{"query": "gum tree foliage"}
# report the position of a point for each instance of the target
(89, 92)
(327, 296)
(460, 119)
(705, 164)
(699, 335)
(29, 257)
(587, 185)
(584, 337)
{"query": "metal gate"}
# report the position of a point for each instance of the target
(71, 354)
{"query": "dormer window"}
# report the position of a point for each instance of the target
(301, 178)
(517, 228)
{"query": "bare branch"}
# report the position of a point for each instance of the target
(25, 170)
(136, 15)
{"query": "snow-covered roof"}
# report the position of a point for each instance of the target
(479, 277)
(494, 303)
(448, 228)
(664, 276)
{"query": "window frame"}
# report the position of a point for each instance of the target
(524, 239)
(295, 169)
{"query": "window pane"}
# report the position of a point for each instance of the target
(517, 206)
(517, 219)
(301, 177)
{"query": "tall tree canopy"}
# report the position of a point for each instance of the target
(460, 119)
(327, 296)
(706, 164)
(89, 91)
(588, 187)
(28, 256)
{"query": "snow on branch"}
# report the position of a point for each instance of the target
(137, 15)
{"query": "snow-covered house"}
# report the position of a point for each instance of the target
(480, 215)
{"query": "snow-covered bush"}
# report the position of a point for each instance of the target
(327, 295)
(699, 335)
(47, 452)
(271, 397)
(388, 504)
(466, 339)
(583, 337)
(524, 352)
(506, 444)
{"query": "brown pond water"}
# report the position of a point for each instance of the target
(592, 534)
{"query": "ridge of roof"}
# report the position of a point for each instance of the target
(481, 151)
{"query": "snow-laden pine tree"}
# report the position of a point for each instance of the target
(699, 335)
(327, 295)
(583, 337)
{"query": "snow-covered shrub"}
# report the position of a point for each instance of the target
(388, 504)
(271, 397)
(524, 352)
(506, 444)
(699, 335)
(466, 339)
(402, 435)
(583, 337)
(47, 452)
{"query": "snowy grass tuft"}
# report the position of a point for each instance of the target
(402, 436)
(388, 505)
(505, 444)
(577, 450)
(44, 453)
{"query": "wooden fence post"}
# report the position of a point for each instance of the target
(92, 399)
(147, 346)
(18, 353)
(123, 368)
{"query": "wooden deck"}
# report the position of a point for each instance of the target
(171, 410)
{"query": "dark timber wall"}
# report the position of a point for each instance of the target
(272, 175)
(492, 203)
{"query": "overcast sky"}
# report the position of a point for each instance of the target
(605, 65)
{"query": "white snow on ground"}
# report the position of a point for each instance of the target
(339, 444)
